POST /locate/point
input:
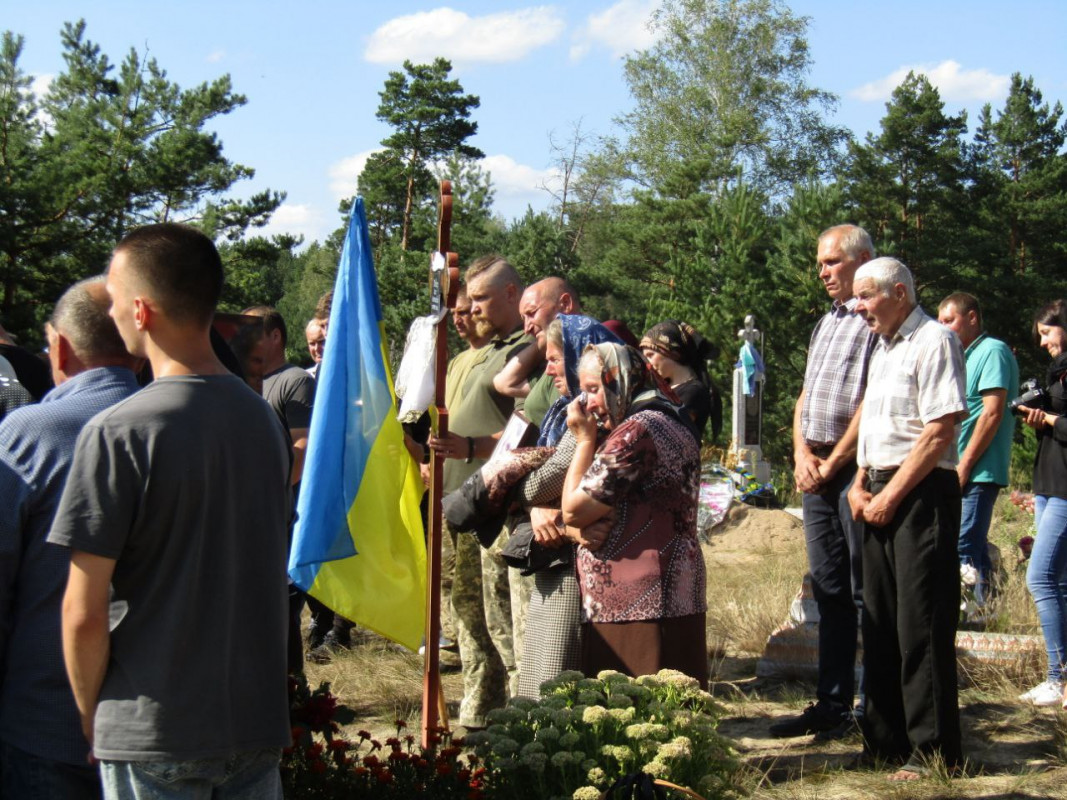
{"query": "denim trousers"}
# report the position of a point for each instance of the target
(1046, 578)
(834, 542)
(250, 775)
(978, 502)
(28, 777)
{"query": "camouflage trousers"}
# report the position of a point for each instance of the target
(448, 568)
(481, 614)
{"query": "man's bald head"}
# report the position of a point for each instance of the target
(543, 301)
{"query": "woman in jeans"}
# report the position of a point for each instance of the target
(1046, 576)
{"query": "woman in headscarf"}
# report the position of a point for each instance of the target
(642, 580)
(551, 637)
(680, 355)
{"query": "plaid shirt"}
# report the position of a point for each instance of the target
(836, 374)
(916, 378)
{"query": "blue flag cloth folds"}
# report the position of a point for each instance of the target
(358, 544)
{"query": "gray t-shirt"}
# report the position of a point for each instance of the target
(291, 393)
(184, 485)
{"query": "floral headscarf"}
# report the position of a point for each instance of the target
(626, 378)
(681, 342)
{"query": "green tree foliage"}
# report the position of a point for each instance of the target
(475, 231)
(1017, 213)
(430, 117)
(105, 149)
(725, 85)
(907, 183)
(382, 185)
(310, 275)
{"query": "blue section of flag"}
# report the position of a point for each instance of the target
(352, 399)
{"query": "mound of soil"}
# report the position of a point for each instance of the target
(748, 534)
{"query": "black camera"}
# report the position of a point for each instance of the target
(1033, 396)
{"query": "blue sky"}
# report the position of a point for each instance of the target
(312, 71)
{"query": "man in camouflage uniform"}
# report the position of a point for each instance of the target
(481, 606)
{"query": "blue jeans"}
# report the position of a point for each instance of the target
(29, 777)
(1046, 578)
(835, 544)
(978, 501)
(251, 775)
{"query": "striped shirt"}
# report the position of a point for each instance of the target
(916, 377)
(836, 374)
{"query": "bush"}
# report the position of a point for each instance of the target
(585, 733)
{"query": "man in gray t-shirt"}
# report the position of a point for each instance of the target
(176, 510)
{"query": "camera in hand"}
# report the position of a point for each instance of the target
(1033, 396)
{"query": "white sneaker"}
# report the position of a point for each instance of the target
(1048, 693)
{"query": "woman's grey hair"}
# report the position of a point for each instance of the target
(591, 362)
(886, 273)
(554, 333)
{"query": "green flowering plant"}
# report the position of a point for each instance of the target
(322, 763)
(584, 734)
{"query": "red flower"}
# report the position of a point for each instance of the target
(464, 775)
(339, 745)
(314, 750)
(370, 761)
(392, 741)
(444, 769)
(398, 755)
(363, 735)
(318, 766)
(450, 752)
(360, 771)
(383, 776)
(401, 724)
(375, 744)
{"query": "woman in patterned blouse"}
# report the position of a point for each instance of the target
(642, 579)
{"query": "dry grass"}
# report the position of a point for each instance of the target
(1016, 751)
(745, 606)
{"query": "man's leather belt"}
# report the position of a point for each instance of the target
(881, 475)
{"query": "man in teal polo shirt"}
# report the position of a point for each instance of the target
(986, 434)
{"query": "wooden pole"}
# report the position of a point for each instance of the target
(447, 284)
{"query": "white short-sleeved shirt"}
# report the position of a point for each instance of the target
(915, 377)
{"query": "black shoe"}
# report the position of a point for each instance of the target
(814, 719)
(847, 727)
(324, 653)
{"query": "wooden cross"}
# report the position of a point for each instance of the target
(444, 286)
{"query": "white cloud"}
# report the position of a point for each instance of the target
(514, 180)
(494, 38)
(954, 83)
(215, 56)
(40, 84)
(298, 219)
(345, 173)
(621, 28)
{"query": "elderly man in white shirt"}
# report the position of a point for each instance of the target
(907, 492)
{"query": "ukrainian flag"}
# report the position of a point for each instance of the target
(358, 545)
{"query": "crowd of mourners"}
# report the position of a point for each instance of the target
(147, 623)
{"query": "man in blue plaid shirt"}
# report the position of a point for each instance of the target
(43, 752)
(825, 426)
